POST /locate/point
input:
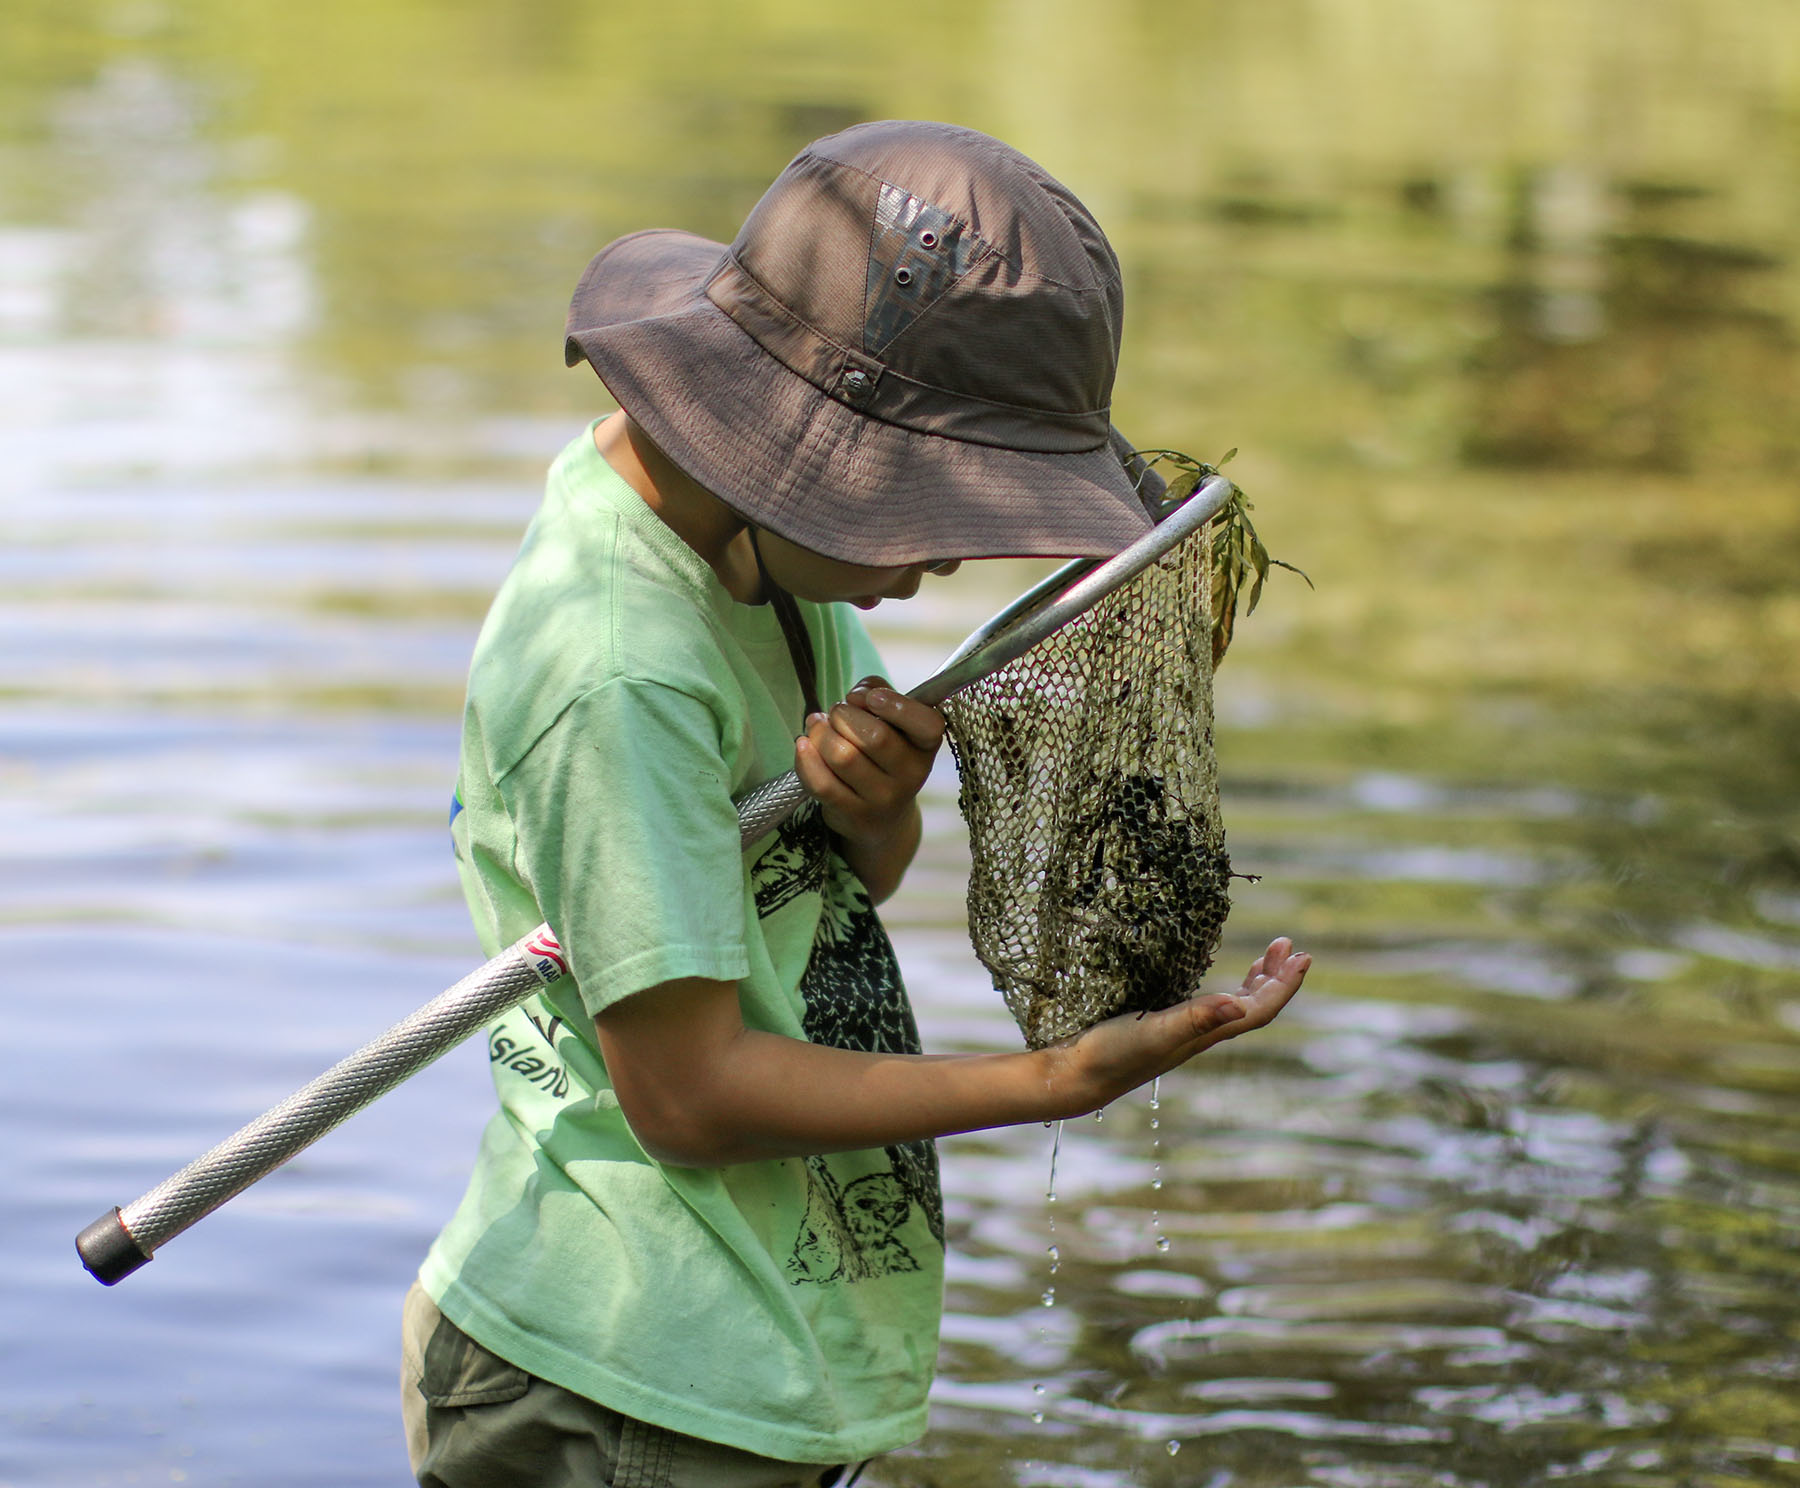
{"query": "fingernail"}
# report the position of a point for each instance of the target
(812, 718)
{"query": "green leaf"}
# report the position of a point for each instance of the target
(1237, 553)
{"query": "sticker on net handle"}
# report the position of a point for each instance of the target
(545, 956)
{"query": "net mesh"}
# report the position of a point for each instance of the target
(1099, 882)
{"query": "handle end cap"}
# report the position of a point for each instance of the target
(107, 1249)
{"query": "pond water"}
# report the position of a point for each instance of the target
(1500, 302)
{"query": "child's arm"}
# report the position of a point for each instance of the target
(865, 762)
(702, 1090)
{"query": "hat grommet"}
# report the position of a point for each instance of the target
(857, 384)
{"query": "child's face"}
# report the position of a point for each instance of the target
(809, 575)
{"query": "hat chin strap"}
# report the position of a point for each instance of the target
(793, 628)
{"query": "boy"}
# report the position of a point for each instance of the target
(703, 1242)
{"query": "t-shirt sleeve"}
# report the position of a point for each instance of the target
(628, 839)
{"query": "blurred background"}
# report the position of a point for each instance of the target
(1499, 301)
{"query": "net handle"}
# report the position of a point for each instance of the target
(123, 1239)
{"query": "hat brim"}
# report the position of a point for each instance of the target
(787, 456)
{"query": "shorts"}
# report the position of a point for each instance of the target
(475, 1421)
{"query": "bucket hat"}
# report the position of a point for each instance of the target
(906, 354)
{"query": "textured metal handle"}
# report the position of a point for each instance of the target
(765, 807)
(123, 1239)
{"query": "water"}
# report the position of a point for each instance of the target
(1499, 303)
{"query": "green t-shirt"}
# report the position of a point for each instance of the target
(618, 699)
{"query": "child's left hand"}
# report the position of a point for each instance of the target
(865, 761)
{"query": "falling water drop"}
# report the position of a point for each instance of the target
(1099, 1115)
(1048, 1297)
(1174, 1446)
(1156, 1180)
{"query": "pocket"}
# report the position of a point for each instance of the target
(455, 1370)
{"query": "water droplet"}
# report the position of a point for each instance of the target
(1156, 1183)
(1156, 1123)
(1049, 1297)
(1038, 1416)
(1156, 1093)
(1037, 1389)
(1162, 1242)
(1055, 1260)
(1174, 1447)
(1099, 1115)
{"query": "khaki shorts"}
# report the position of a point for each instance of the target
(475, 1421)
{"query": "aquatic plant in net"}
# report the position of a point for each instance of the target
(1099, 882)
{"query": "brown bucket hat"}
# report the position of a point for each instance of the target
(906, 354)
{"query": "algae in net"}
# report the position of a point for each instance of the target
(1099, 882)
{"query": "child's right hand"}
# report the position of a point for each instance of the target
(1097, 1066)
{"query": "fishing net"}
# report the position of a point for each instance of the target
(1100, 879)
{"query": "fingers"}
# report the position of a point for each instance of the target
(877, 743)
(863, 768)
(1280, 963)
(917, 723)
(844, 779)
(1276, 953)
(1270, 984)
(1273, 979)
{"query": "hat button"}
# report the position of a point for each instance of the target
(857, 383)
(928, 239)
